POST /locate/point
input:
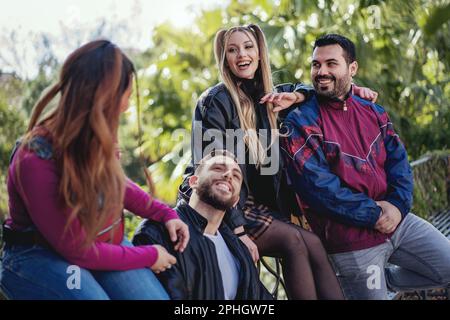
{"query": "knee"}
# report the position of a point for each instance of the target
(295, 244)
(312, 240)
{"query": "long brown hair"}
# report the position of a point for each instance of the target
(243, 103)
(83, 128)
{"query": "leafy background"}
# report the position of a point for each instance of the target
(402, 49)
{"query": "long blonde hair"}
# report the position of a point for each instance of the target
(83, 128)
(244, 103)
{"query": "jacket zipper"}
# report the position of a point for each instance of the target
(372, 167)
(346, 117)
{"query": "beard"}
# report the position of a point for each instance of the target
(340, 86)
(206, 194)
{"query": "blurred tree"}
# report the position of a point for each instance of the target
(402, 50)
(12, 125)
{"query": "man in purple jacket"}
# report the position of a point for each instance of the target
(354, 183)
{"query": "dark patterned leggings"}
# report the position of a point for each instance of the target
(306, 269)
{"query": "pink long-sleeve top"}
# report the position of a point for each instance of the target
(34, 201)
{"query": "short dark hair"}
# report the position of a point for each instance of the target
(212, 154)
(346, 44)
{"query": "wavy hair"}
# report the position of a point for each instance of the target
(242, 102)
(83, 129)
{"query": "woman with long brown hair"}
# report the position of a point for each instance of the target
(241, 114)
(67, 191)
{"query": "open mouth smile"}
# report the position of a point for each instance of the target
(224, 186)
(243, 65)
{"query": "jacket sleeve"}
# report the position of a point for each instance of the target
(140, 203)
(313, 181)
(173, 280)
(306, 90)
(211, 121)
(39, 182)
(398, 171)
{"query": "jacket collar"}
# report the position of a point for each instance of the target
(336, 103)
(196, 220)
(190, 214)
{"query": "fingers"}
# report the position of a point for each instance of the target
(370, 95)
(387, 230)
(380, 229)
(179, 234)
(391, 229)
(255, 255)
(180, 246)
(273, 97)
(268, 98)
(264, 99)
(163, 269)
(385, 225)
(165, 260)
(183, 239)
(365, 93)
(279, 97)
(375, 97)
(172, 231)
(277, 109)
(171, 259)
(383, 222)
(166, 263)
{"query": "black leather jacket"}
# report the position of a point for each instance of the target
(196, 275)
(215, 110)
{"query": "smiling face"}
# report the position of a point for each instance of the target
(218, 182)
(242, 54)
(330, 73)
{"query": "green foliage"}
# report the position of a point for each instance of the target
(402, 50)
(12, 125)
(407, 64)
(131, 223)
(431, 184)
(438, 17)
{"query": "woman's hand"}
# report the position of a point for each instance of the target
(165, 260)
(251, 246)
(365, 93)
(179, 233)
(282, 100)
